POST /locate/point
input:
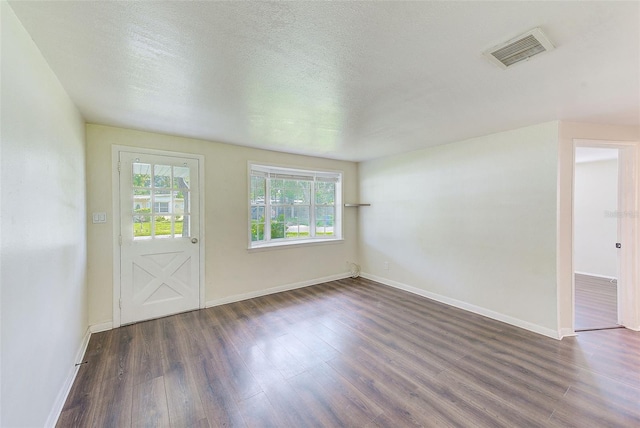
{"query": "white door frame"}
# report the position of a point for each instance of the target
(628, 289)
(117, 226)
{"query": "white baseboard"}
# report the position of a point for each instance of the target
(273, 290)
(66, 388)
(567, 332)
(467, 307)
(103, 326)
(597, 275)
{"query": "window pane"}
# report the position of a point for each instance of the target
(257, 214)
(296, 192)
(325, 221)
(141, 175)
(161, 176)
(325, 193)
(141, 226)
(277, 222)
(181, 177)
(162, 226)
(257, 190)
(257, 223)
(277, 192)
(297, 221)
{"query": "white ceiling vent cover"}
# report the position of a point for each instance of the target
(521, 48)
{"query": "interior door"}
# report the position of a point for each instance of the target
(160, 249)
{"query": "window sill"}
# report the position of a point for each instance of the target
(291, 244)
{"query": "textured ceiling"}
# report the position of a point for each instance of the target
(345, 80)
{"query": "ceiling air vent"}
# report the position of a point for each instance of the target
(521, 48)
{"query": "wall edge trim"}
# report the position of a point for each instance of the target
(544, 331)
(274, 290)
(58, 405)
(103, 326)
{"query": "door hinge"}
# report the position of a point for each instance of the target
(120, 239)
(120, 303)
(119, 166)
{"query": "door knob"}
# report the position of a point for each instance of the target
(194, 240)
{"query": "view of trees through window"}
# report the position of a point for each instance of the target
(293, 205)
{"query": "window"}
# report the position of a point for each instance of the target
(161, 207)
(160, 201)
(293, 206)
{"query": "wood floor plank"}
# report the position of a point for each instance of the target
(596, 302)
(183, 401)
(351, 353)
(150, 402)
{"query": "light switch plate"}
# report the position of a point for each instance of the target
(100, 217)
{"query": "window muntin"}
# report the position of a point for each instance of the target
(288, 205)
(161, 195)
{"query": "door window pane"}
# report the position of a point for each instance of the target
(141, 175)
(161, 201)
(186, 227)
(178, 226)
(162, 226)
(141, 226)
(180, 177)
(178, 202)
(162, 176)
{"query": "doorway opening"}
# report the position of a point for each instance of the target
(595, 235)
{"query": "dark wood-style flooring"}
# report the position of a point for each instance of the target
(596, 303)
(351, 353)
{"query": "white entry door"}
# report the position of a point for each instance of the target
(160, 248)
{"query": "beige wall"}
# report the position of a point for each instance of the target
(471, 223)
(231, 270)
(43, 247)
(568, 132)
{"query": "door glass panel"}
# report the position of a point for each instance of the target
(162, 176)
(141, 201)
(141, 226)
(178, 202)
(180, 177)
(141, 175)
(161, 202)
(178, 226)
(162, 226)
(186, 229)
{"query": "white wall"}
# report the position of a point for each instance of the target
(472, 223)
(596, 193)
(43, 275)
(231, 270)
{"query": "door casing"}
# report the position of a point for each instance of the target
(628, 292)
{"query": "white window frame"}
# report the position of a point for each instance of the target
(314, 176)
